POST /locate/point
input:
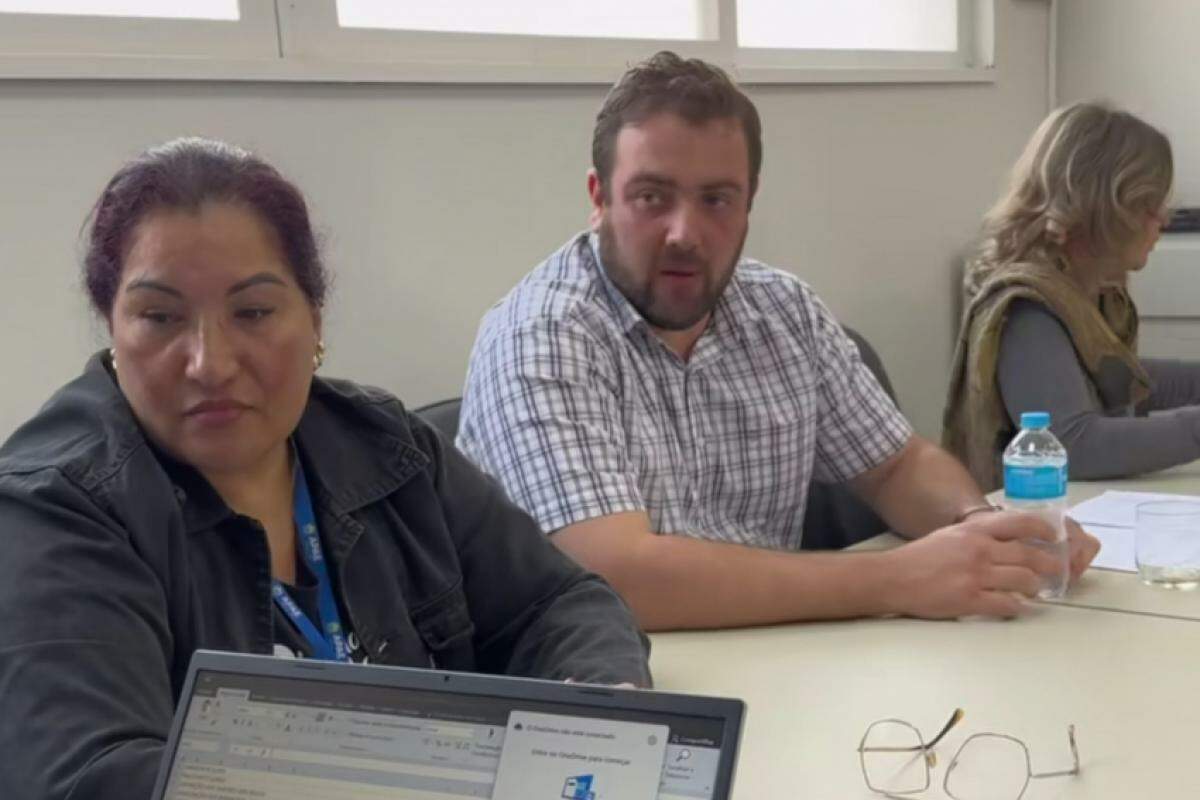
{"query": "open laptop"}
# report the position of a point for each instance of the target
(262, 727)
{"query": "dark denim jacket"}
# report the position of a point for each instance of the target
(116, 563)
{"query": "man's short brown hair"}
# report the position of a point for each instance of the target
(693, 89)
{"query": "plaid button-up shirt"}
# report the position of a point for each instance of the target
(581, 411)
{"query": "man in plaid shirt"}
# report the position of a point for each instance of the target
(660, 404)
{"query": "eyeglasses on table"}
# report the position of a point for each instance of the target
(896, 762)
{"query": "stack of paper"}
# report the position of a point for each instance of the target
(1111, 518)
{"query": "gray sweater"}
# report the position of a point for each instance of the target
(1038, 370)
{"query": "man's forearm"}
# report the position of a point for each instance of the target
(922, 489)
(674, 582)
(670, 582)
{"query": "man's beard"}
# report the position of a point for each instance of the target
(639, 289)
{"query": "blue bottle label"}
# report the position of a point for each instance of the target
(1045, 482)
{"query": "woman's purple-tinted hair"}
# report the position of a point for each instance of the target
(185, 174)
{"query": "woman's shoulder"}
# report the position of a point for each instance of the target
(370, 410)
(1033, 334)
(349, 400)
(1027, 313)
(85, 430)
(362, 438)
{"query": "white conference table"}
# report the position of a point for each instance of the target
(1111, 590)
(1117, 659)
(1121, 591)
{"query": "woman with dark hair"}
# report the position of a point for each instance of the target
(199, 487)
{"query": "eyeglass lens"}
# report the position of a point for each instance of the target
(988, 767)
(893, 758)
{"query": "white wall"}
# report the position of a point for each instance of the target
(436, 199)
(1141, 57)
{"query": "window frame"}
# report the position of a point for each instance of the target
(309, 30)
(300, 40)
(42, 37)
(973, 61)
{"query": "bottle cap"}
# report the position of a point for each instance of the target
(1035, 420)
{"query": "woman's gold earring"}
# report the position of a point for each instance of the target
(319, 355)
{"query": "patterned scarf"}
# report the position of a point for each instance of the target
(976, 426)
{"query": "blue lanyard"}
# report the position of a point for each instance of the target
(331, 645)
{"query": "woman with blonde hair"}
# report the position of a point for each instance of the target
(1048, 323)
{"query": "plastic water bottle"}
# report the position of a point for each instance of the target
(1035, 480)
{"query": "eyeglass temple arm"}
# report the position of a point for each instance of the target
(955, 718)
(1074, 755)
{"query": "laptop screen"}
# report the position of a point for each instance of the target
(259, 736)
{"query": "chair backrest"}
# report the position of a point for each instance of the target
(872, 360)
(443, 416)
(835, 517)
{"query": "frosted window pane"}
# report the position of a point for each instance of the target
(624, 19)
(918, 25)
(175, 9)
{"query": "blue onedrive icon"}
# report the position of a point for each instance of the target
(579, 787)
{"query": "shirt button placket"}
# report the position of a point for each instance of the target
(695, 444)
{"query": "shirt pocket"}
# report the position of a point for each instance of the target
(444, 625)
(753, 473)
